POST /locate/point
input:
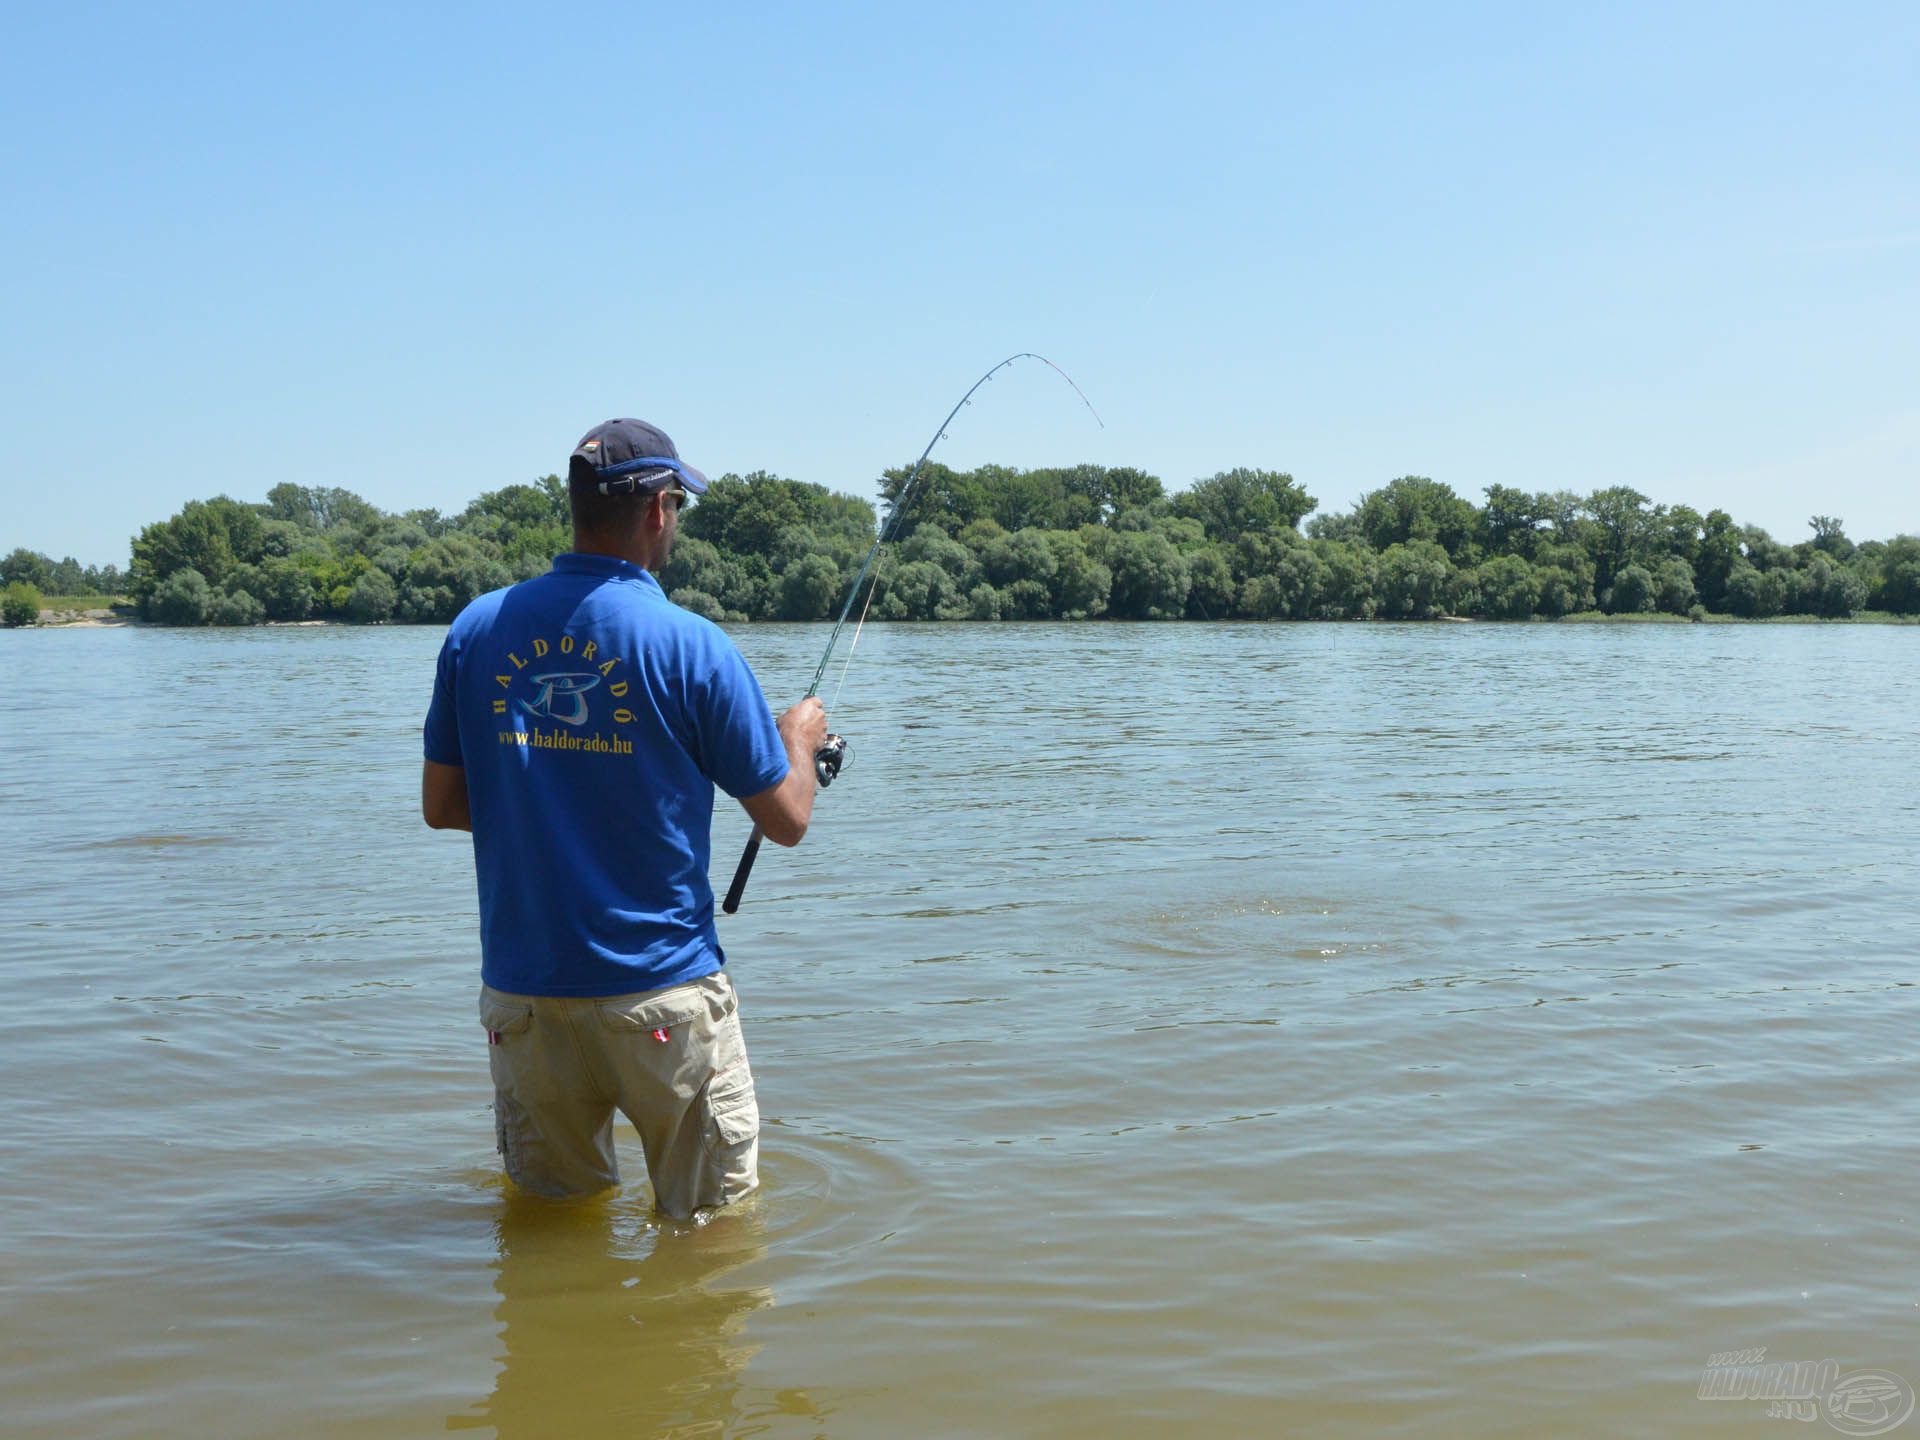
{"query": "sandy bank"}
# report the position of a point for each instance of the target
(86, 619)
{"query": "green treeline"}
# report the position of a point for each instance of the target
(997, 543)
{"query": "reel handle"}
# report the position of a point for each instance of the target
(742, 871)
(827, 761)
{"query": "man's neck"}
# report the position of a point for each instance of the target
(632, 548)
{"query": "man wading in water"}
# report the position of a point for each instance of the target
(579, 724)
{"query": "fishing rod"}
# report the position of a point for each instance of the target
(830, 756)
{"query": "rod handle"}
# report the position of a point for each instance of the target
(741, 871)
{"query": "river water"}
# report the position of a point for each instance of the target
(1370, 1030)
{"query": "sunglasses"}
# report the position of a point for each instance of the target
(631, 475)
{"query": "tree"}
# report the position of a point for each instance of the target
(1510, 521)
(792, 545)
(1342, 527)
(1150, 580)
(983, 602)
(1827, 589)
(372, 598)
(1673, 589)
(102, 580)
(1234, 502)
(442, 577)
(733, 582)
(1756, 594)
(700, 603)
(1516, 522)
(284, 589)
(977, 535)
(1620, 531)
(235, 607)
(1043, 499)
(26, 567)
(20, 604)
(1413, 580)
(1025, 568)
(1633, 591)
(1026, 600)
(1282, 576)
(183, 598)
(1264, 597)
(1105, 493)
(809, 588)
(1898, 585)
(746, 513)
(1416, 508)
(1023, 499)
(931, 544)
(1348, 592)
(1210, 585)
(1509, 590)
(1461, 593)
(1131, 489)
(1830, 536)
(209, 536)
(1073, 542)
(67, 578)
(526, 507)
(916, 590)
(192, 540)
(1566, 579)
(1719, 553)
(1082, 582)
(528, 524)
(941, 496)
(1764, 552)
(1677, 533)
(1025, 555)
(318, 508)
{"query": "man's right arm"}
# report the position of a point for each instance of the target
(783, 811)
(443, 797)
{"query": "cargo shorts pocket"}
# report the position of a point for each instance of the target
(507, 1022)
(502, 1017)
(732, 1136)
(627, 1015)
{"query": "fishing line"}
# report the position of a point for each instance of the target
(827, 762)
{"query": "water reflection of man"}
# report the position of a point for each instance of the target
(580, 722)
(610, 1327)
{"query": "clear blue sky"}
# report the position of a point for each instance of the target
(1677, 248)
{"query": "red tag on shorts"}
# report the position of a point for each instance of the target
(661, 1036)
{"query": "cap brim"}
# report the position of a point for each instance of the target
(651, 472)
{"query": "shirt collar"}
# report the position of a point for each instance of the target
(607, 567)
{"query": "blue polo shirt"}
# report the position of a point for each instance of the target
(593, 718)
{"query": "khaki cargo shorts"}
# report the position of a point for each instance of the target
(672, 1061)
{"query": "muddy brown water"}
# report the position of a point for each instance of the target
(1333, 1030)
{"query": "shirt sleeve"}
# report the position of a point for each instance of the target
(441, 733)
(740, 749)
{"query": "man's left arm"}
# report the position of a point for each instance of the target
(443, 784)
(443, 797)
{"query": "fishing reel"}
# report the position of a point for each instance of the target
(828, 759)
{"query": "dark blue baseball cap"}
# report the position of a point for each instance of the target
(625, 457)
